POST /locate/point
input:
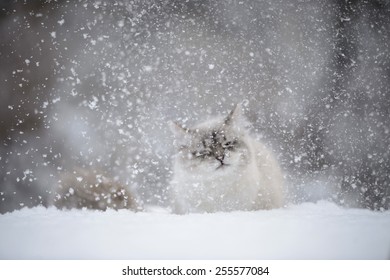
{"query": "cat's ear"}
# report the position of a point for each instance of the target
(232, 115)
(235, 115)
(178, 130)
(182, 135)
(236, 118)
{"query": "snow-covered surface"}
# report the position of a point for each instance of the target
(308, 231)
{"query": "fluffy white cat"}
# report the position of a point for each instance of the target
(220, 167)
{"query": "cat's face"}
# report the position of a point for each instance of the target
(213, 147)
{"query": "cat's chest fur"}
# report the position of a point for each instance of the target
(219, 167)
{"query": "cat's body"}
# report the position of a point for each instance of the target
(220, 167)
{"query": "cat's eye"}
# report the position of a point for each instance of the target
(229, 144)
(201, 154)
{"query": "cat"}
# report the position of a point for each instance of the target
(218, 166)
(87, 189)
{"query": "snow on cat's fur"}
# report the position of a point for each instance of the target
(220, 167)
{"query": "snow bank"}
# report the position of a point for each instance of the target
(307, 231)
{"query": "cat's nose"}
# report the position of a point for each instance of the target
(219, 154)
(220, 158)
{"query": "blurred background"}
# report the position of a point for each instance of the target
(92, 85)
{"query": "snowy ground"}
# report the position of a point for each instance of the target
(307, 231)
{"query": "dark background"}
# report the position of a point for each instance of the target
(92, 84)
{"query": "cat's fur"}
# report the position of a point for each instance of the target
(220, 167)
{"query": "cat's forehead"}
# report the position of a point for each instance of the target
(213, 123)
(213, 134)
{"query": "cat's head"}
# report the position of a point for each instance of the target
(216, 145)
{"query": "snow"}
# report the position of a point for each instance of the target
(319, 230)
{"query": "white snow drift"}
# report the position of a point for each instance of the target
(307, 231)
